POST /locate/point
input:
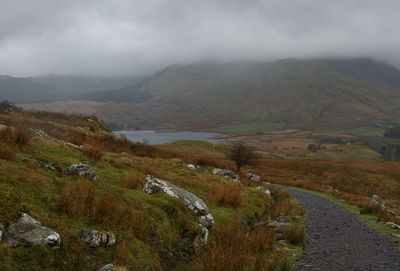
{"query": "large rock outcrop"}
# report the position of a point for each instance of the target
(45, 135)
(82, 170)
(193, 202)
(95, 238)
(31, 232)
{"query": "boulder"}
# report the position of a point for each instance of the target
(82, 170)
(39, 163)
(275, 223)
(31, 232)
(253, 177)
(193, 202)
(1, 232)
(226, 173)
(393, 225)
(95, 238)
(375, 201)
(264, 189)
(107, 267)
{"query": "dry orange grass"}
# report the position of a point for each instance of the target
(92, 152)
(227, 194)
(77, 199)
(232, 248)
(134, 180)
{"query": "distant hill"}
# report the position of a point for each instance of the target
(55, 87)
(323, 93)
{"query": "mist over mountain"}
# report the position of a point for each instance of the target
(298, 93)
(55, 87)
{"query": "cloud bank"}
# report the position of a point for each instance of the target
(130, 37)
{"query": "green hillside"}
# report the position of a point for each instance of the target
(153, 230)
(302, 94)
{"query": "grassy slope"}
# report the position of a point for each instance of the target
(153, 231)
(298, 93)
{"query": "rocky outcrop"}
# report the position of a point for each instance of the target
(226, 173)
(31, 232)
(45, 135)
(193, 202)
(39, 163)
(253, 177)
(82, 170)
(95, 238)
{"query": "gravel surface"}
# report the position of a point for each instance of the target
(338, 240)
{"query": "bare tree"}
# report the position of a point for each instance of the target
(241, 154)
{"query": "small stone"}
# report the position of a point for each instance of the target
(82, 170)
(253, 177)
(94, 238)
(264, 189)
(226, 173)
(107, 267)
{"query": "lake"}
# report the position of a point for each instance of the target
(155, 137)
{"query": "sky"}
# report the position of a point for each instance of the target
(135, 37)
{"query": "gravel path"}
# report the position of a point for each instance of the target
(338, 240)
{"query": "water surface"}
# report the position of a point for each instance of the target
(153, 137)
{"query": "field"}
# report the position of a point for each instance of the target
(361, 131)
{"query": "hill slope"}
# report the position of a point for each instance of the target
(298, 93)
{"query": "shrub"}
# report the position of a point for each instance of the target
(295, 234)
(22, 136)
(226, 194)
(92, 152)
(227, 251)
(7, 151)
(78, 199)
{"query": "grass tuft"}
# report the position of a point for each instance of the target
(295, 234)
(227, 194)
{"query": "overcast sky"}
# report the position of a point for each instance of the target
(129, 37)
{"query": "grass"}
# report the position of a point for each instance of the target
(295, 234)
(360, 131)
(252, 127)
(227, 195)
(155, 231)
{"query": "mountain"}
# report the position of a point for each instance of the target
(321, 93)
(55, 87)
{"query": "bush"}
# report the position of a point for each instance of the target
(295, 234)
(92, 152)
(7, 151)
(22, 136)
(77, 200)
(227, 194)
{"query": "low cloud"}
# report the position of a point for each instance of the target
(125, 37)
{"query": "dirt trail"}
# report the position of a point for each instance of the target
(338, 240)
